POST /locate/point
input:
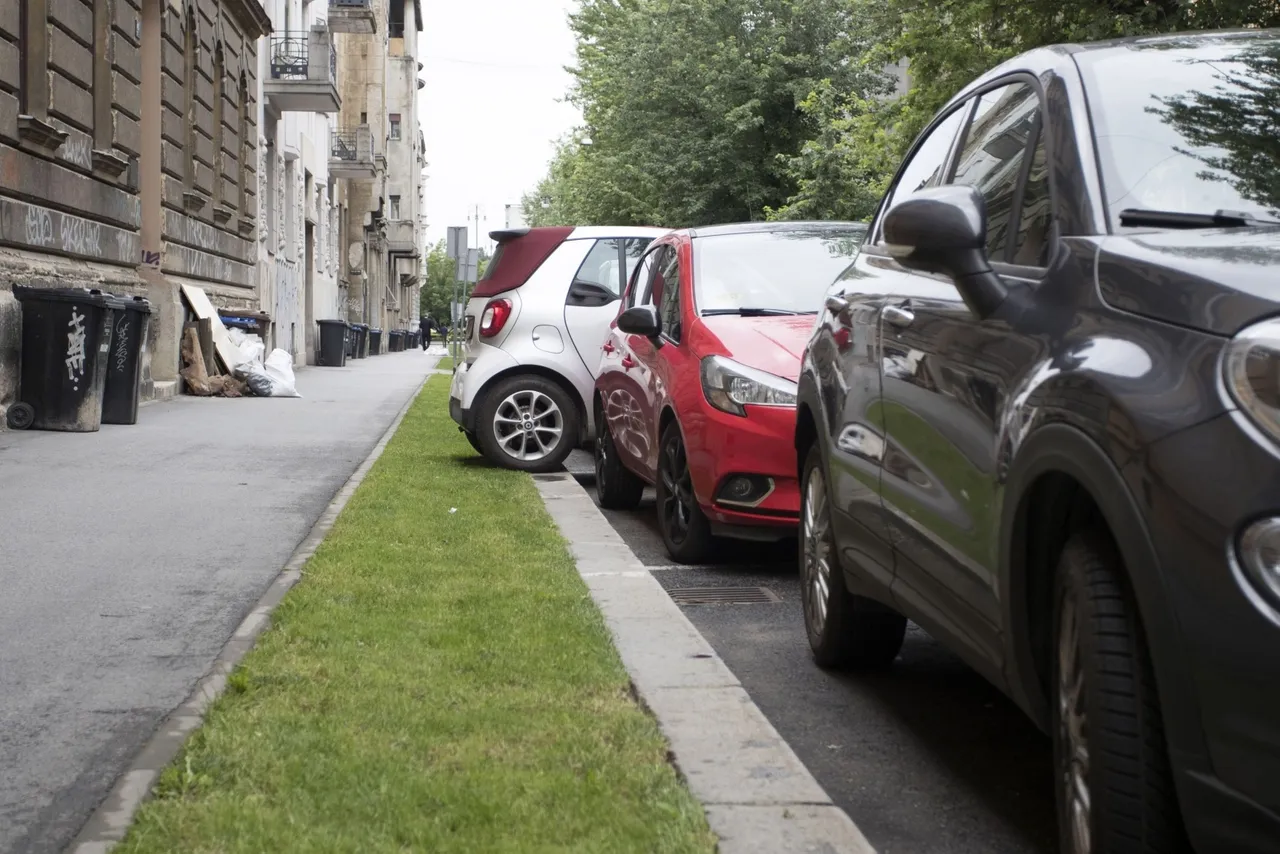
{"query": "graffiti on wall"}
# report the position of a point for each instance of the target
(43, 228)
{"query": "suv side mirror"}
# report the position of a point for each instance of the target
(944, 230)
(641, 320)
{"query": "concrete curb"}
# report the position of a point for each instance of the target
(110, 821)
(757, 794)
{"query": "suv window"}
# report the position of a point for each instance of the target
(994, 152)
(1031, 240)
(924, 169)
(602, 266)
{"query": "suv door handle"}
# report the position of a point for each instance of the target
(628, 362)
(899, 316)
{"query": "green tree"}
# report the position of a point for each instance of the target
(438, 289)
(703, 111)
(692, 108)
(844, 169)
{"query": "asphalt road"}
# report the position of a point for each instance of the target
(129, 556)
(926, 758)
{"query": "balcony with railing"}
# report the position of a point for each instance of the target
(402, 238)
(351, 154)
(353, 16)
(304, 73)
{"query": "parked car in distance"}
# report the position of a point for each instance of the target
(696, 389)
(534, 326)
(1040, 417)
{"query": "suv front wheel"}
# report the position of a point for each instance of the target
(844, 630)
(527, 423)
(1114, 788)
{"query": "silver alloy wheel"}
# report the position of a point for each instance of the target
(1073, 730)
(528, 425)
(817, 551)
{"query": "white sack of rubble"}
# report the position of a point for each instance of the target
(273, 378)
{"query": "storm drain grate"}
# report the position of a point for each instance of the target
(723, 596)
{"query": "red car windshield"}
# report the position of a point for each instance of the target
(778, 272)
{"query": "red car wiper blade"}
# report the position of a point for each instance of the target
(752, 312)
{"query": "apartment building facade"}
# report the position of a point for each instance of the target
(378, 153)
(127, 143)
(297, 234)
(270, 155)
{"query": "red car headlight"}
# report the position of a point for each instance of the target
(731, 387)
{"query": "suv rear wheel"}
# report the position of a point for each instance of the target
(1114, 787)
(844, 630)
(527, 423)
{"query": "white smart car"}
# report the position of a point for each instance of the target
(535, 326)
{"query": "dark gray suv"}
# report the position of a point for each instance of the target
(1040, 417)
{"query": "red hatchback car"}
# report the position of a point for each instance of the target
(696, 391)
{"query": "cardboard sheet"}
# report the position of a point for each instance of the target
(228, 353)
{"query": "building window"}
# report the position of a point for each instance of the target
(33, 85)
(290, 208)
(395, 125)
(246, 146)
(219, 134)
(103, 88)
(267, 201)
(395, 207)
(192, 53)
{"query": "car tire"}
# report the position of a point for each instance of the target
(844, 630)
(617, 488)
(684, 527)
(473, 441)
(1106, 712)
(516, 404)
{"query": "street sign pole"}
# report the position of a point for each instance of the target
(456, 244)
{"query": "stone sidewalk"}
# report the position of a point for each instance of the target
(129, 556)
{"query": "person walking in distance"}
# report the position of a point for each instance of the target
(425, 324)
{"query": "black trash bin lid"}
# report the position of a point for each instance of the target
(141, 304)
(91, 296)
(331, 321)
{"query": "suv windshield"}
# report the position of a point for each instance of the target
(781, 271)
(1187, 125)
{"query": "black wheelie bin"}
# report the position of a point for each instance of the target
(66, 335)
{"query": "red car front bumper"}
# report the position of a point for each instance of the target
(720, 445)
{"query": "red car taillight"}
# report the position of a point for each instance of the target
(494, 317)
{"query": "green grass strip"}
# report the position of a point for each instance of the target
(445, 364)
(438, 681)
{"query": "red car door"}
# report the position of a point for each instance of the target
(652, 368)
(623, 378)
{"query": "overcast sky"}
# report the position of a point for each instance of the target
(493, 105)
